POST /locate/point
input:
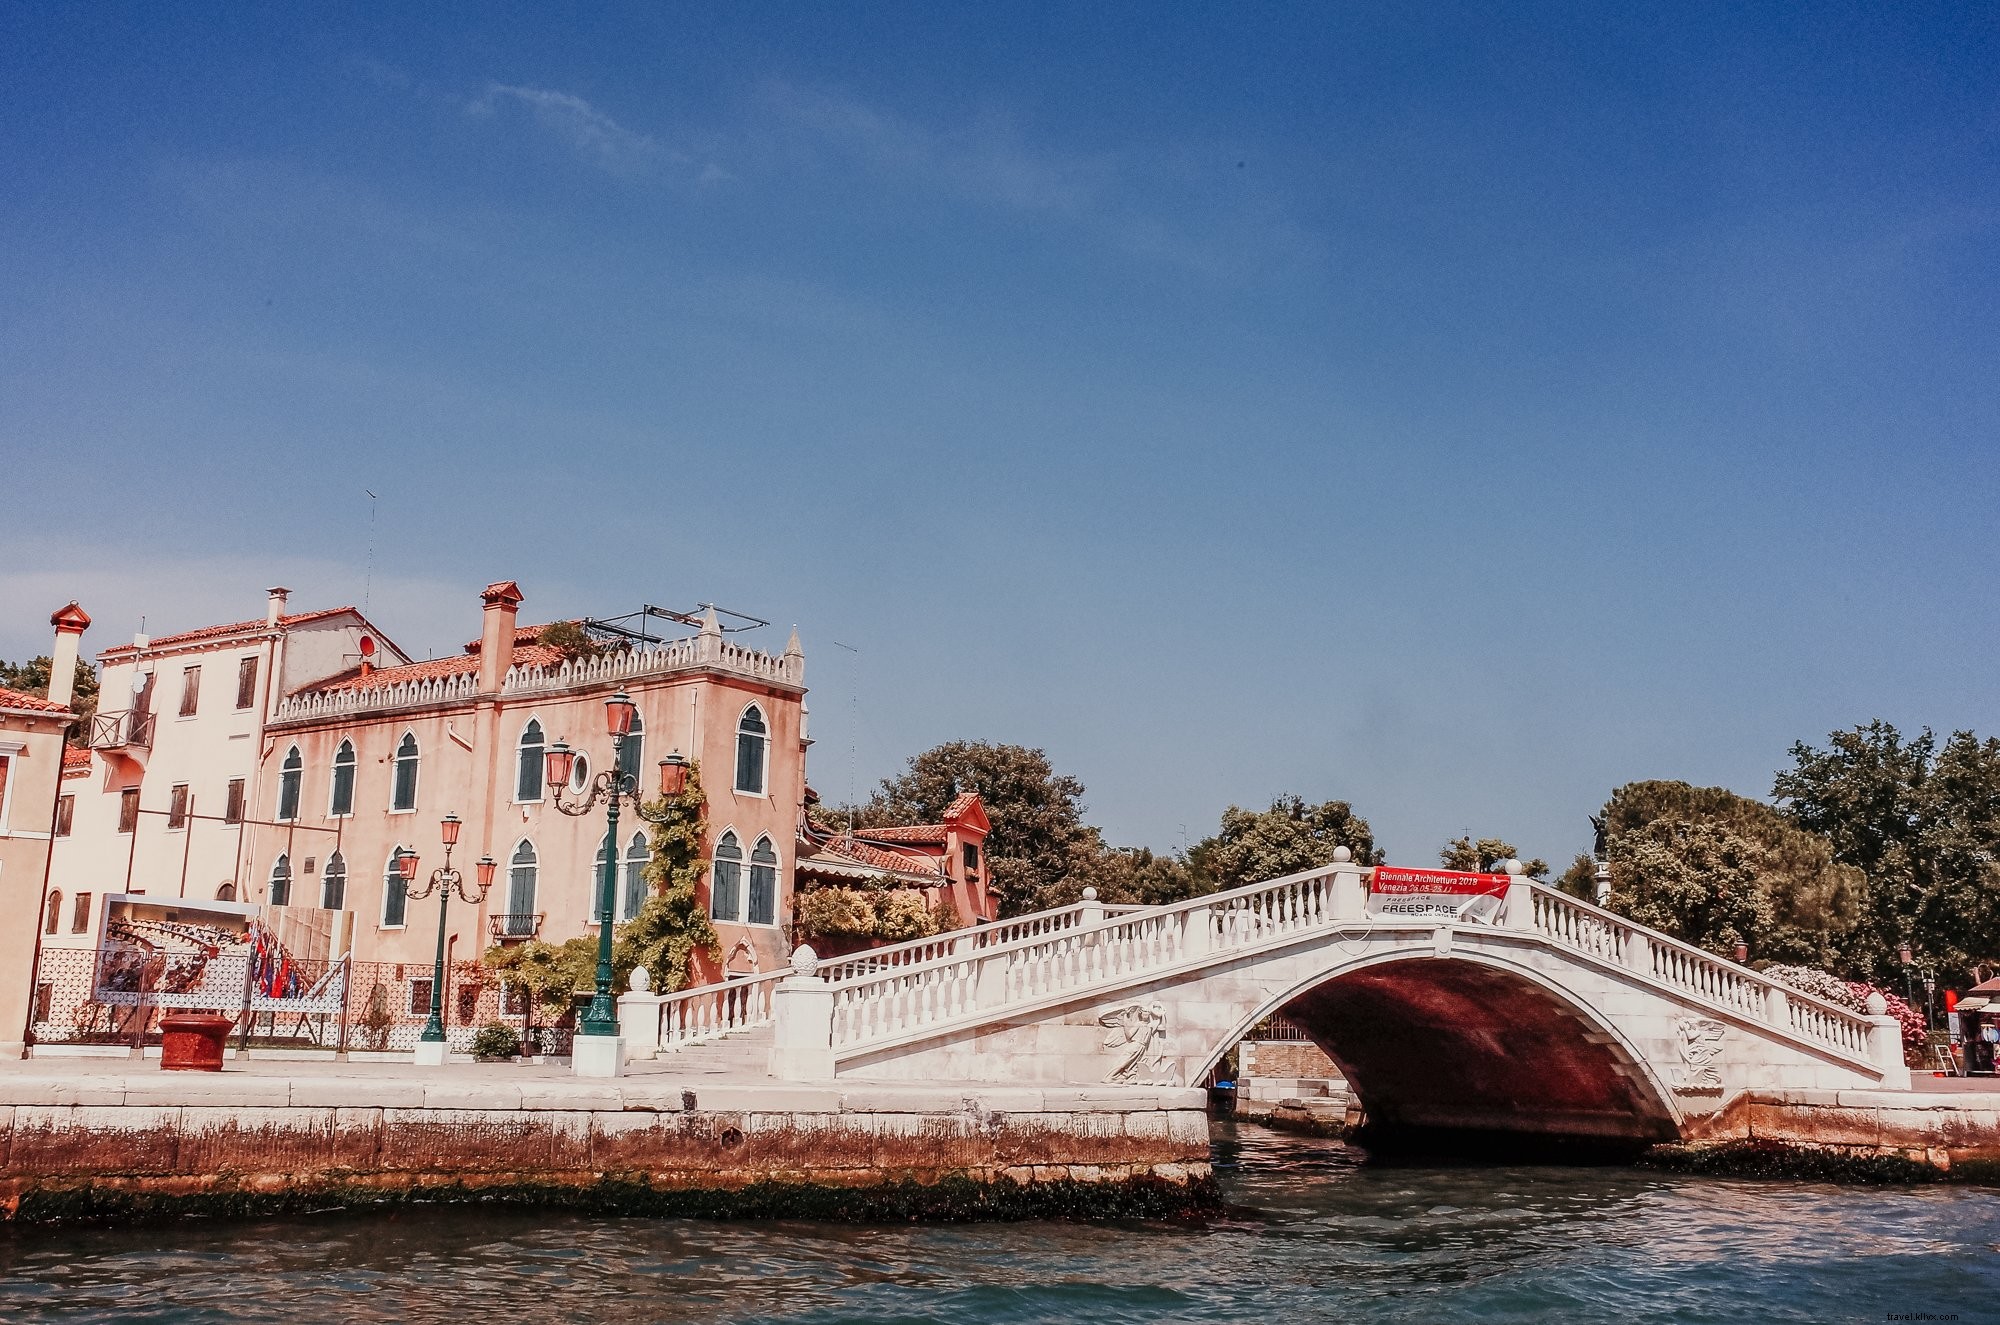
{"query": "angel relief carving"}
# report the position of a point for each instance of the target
(1700, 1042)
(1138, 1043)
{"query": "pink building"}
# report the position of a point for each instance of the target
(358, 765)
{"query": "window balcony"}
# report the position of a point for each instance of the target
(514, 928)
(127, 729)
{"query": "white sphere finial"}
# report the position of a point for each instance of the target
(1341, 855)
(1877, 1005)
(642, 980)
(804, 960)
(1090, 894)
(1511, 865)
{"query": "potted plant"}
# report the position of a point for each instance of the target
(495, 1043)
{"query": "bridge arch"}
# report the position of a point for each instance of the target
(1450, 1052)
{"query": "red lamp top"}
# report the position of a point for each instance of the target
(619, 710)
(673, 775)
(406, 864)
(560, 759)
(486, 866)
(1903, 954)
(448, 827)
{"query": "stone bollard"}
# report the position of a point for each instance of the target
(802, 1022)
(1520, 912)
(1350, 892)
(1885, 1044)
(639, 1017)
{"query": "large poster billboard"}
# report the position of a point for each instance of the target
(1414, 894)
(175, 953)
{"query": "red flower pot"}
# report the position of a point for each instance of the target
(192, 1041)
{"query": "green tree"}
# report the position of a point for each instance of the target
(1580, 879)
(1254, 845)
(32, 677)
(1921, 820)
(1714, 868)
(1124, 876)
(1463, 853)
(1037, 813)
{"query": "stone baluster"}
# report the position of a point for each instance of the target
(1520, 905)
(1777, 1008)
(802, 1022)
(639, 1017)
(1638, 952)
(1885, 1044)
(1350, 891)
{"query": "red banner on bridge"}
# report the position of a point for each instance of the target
(1413, 894)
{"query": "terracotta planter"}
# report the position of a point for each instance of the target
(192, 1041)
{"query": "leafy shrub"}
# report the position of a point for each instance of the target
(837, 913)
(902, 915)
(496, 1040)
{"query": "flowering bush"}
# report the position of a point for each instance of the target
(1852, 995)
(902, 915)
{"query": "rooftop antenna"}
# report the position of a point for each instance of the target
(368, 575)
(853, 727)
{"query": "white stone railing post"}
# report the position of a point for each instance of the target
(1350, 887)
(802, 1022)
(1778, 1008)
(1638, 952)
(1885, 1044)
(1520, 906)
(639, 1017)
(1092, 910)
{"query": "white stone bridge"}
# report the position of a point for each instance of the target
(1555, 1018)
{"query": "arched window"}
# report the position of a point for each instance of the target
(403, 796)
(226, 893)
(521, 872)
(281, 880)
(341, 802)
(753, 740)
(725, 893)
(333, 883)
(763, 884)
(395, 893)
(288, 784)
(638, 855)
(632, 755)
(528, 777)
(55, 910)
(597, 878)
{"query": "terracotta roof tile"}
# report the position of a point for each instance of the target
(233, 628)
(852, 852)
(960, 803)
(928, 833)
(21, 699)
(75, 757)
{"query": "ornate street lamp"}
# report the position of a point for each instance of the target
(613, 786)
(444, 882)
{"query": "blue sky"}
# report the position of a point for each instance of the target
(1459, 413)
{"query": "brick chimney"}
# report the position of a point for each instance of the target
(70, 623)
(496, 634)
(276, 597)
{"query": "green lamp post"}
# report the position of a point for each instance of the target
(444, 882)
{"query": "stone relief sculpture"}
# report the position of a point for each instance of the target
(1700, 1043)
(1138, 1041)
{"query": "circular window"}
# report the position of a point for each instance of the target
(579, 772)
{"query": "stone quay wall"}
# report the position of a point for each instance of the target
(1946, 1130)
(153, 1144)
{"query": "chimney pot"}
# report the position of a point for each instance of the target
(276, 598)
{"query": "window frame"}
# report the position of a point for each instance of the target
(128, 822)
(541, 747)
(763, 787)
(190, 692)
(233, 803)
(638, 855)
(7, 753)
(52, 922)
(246, 682)
(65, 814)
(281, 868)
(291, 785)
(394, 887)
(79, 916)
(776, 866)
(336, 867)
(729, 839)
(179, 798)
(353, 770)
(396, 762)
(534, 867)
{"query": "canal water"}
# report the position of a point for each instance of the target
(1311, 1235)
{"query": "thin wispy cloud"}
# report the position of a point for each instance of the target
(1142, 204)
(594, 136)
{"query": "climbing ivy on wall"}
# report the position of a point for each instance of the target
(673, 925)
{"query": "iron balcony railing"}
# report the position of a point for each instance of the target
(125, 729)
(514, 928)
